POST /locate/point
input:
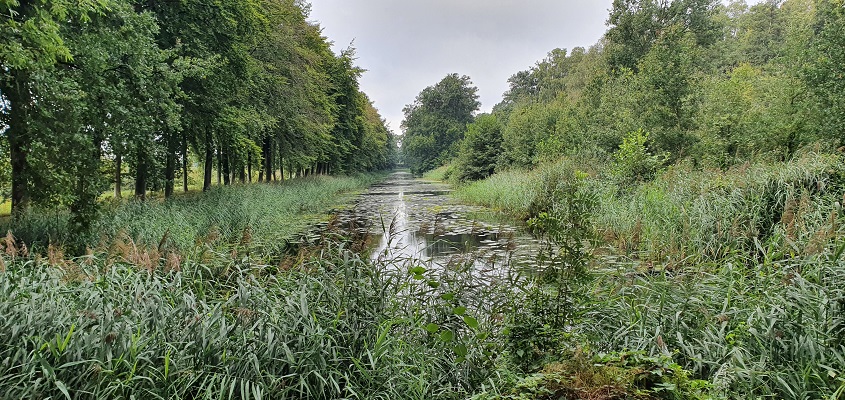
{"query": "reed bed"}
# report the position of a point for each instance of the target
(333, 326)
(267, 214)
(736, 275)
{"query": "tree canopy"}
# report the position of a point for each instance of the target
(435, 122)
(710, 83)
(104, 91)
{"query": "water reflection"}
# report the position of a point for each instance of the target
(408, 218)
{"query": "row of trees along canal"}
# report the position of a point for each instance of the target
(699, 80)
(92, 88)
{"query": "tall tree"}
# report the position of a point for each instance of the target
(636, 25)
(824, 72)
(480, 149)
(31, 46)
(435, 123)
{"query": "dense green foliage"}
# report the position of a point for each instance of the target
(95, 92)
(435, 123)
(215, 327)
(480, 149)
(684, 176)
(700, 144)
(717, 84)
(736, 274)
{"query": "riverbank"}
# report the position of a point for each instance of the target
(266, 215)
(735, 275)
(142, 318)
(597, 320)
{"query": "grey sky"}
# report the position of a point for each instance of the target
(407, 45)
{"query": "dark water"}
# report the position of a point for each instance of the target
(408, 218)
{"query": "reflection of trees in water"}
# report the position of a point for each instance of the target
(413, 219)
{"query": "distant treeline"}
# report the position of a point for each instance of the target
(94, 90)
(693, 80)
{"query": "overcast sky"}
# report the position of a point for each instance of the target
(406, 45)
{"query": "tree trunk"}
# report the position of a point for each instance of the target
(141, 175)
(281, 163)
(270, 174)
(249, 166)
(170, 166)
(227, 173)
(18, 134)
(209, 161)
(118, 177)
(267, 152)
(185, 162)
(219, 167)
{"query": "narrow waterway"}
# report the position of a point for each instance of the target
(411, 219)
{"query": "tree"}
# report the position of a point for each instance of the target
(667, 74)
(824, 72)
(435, 123)
(636, 25)
(31, 45)
(480, 149)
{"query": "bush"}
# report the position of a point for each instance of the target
(633, 162)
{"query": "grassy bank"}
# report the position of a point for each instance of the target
(331, 326)
(736, 275)
(187, 299)
(264, 215)
(646, 295)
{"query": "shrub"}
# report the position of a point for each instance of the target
(632, 162)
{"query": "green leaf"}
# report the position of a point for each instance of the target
(459, 310)
(434, 284)
(418, 270)
(461, 350)
(63, 389)
(471, 322)
(447, 296)
(447, 336)
(431, 328)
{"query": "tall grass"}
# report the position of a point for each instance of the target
(441, 173)
(738, 275)
(521, 193)
(267, 214)
(774, 329)
(763, 210)
(331, 327)
(688, 215)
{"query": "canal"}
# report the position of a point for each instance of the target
(413, 220)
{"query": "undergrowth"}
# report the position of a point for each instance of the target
(332, 326)
(734, 275)
(264, 214)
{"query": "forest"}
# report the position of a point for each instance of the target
(690, 81)
(98, 93)
(681, 183)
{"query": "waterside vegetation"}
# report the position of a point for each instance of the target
(689, 171)
(685, 175)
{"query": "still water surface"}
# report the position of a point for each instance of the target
(407, 218)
